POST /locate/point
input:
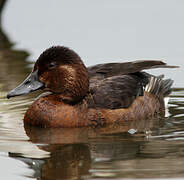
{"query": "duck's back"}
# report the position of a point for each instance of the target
(116, 85)
(118, 91)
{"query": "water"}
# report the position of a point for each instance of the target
(156, 150)
(145, 149)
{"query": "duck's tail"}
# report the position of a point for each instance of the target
(158, 86)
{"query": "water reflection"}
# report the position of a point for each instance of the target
(4, 40)
(65, 162)
(9, 59)
(14, 68)
(74, 151)
(84, 152)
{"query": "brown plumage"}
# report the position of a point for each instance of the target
(94, 96)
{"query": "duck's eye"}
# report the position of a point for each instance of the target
(52, 65)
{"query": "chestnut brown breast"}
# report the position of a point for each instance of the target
(50, 111)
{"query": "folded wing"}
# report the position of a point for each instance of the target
(116, 85)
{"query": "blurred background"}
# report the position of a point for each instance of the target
(100, 31)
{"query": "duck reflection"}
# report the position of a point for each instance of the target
(85, 153)
(74, 152)
(68, 161)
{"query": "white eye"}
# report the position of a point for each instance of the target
(52, 65)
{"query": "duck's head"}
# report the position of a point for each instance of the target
(59, 70)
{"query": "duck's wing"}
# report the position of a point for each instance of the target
(118, 91)
(102, 71)
(116, 85)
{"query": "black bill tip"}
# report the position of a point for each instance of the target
(31, 83)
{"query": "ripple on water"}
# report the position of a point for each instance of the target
(12, 134)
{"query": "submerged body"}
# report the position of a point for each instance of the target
(94, 96)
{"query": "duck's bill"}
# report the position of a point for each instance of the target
(31, 83)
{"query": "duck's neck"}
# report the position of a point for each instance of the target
(75, 85)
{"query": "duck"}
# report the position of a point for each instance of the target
(76, 96)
